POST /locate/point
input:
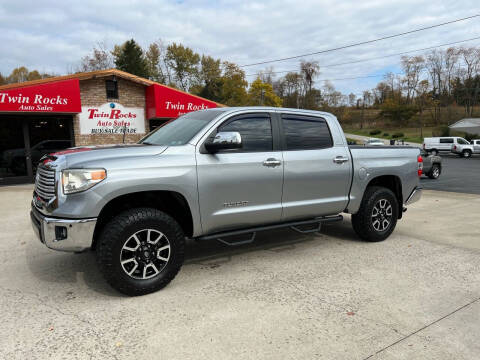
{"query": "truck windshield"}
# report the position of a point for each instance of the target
(182, 130)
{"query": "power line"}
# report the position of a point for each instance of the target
(356, 77)
(362, 42)
(375, 58)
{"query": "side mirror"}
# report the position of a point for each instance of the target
(227, 140)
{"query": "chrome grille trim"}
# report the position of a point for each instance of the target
(45, 183)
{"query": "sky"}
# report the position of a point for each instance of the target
(53, 36)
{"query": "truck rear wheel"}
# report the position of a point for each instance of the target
(377, 217)
(434, 172)
(140, 251)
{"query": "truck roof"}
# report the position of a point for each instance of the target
(269, 108)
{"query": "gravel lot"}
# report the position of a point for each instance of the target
(323, 296)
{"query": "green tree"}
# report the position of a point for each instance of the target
(19, 74)
(262, 94)
(153, 59)
(397, 113)
(184, 63)
(233, 85)
(34, 75)
(130, 57)
(209, 79)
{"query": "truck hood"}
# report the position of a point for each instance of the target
(84, 156)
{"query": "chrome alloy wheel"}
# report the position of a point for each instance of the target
(145, 254)
(382, 215)
(436, 172)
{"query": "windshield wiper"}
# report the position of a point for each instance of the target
(147, 143)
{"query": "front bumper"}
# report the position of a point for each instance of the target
(414, 196)
(63, 234)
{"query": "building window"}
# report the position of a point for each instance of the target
(112, 89)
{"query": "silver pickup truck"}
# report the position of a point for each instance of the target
(221, 174)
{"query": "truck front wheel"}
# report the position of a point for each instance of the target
(140, 251)
(377, 217)
(466, 153)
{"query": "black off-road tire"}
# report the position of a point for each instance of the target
(115, 234)
(362, 220)
(435, 171)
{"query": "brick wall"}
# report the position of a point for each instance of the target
(93, 93)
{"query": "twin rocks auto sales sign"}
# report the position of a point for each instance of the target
(53, 97)
(111, 118)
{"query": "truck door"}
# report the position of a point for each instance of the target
(243, 187)
(476, 146)
(317, 173)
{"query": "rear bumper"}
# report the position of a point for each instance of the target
(414, 196)
(63, 234)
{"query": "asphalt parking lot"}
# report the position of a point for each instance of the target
(322, 296)
(458, 175)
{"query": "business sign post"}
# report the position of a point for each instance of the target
(111, 118)
(54, 97)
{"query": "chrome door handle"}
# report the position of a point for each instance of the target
(271, 162)
(340, 159)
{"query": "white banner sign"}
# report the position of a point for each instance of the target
(111, 118)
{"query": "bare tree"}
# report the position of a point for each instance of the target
(470, 70)
(413, 68)
(309, 70)
(267, 75)
(99, 59)
(352, 99)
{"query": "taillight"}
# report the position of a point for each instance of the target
(420, 165)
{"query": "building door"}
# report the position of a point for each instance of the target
(48, 135)
(13, 157)
(25, 139)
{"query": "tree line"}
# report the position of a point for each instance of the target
(429, 82)
(435, 81)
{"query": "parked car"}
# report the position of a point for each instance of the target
(14, 159)
(432, 165)
(374, 142)
(435, 145)
(216, 174)
(466, 150)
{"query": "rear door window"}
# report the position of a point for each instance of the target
(306, 132)
(446, 141)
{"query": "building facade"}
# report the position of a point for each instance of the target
(94, 108)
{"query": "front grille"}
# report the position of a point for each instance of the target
(45, 183)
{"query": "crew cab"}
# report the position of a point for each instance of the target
(224, 174)
(467, 149)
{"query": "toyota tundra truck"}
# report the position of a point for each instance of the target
(218, 174)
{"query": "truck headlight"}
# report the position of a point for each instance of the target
(76, 180)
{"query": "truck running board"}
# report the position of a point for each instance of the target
(295, 225)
